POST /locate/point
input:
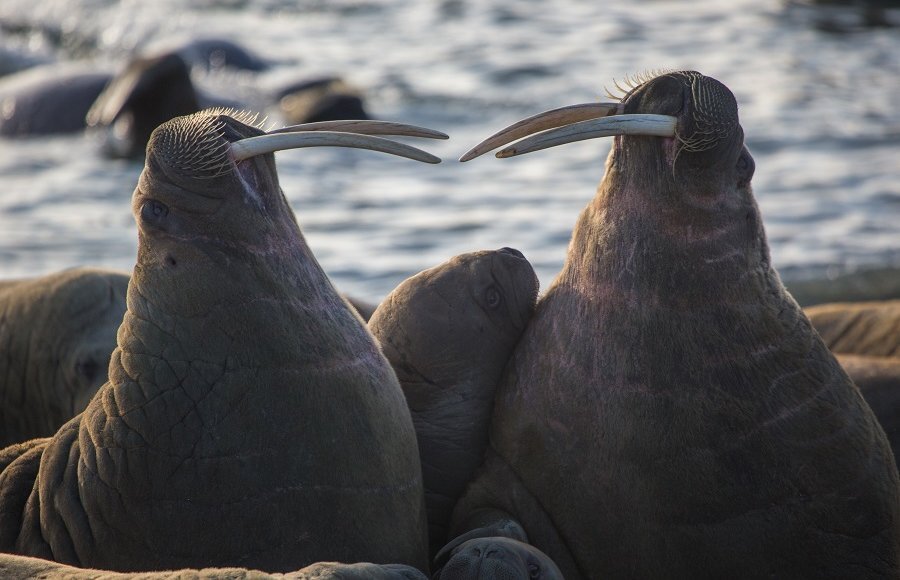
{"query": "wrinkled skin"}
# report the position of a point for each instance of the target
(878, 379)
(669, 411)
(58, 332)
(863, 328)
(448, 332)
(249, 420)
(56, 335)
(865, 337)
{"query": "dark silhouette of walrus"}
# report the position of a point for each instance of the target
(250, 419)
(669, 411)
(448, 332)
(57, 333)
(123, 107)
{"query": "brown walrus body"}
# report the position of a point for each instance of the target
(57, 333)
(862, 328)
(249, 419)
(669, 412)
(448, 332)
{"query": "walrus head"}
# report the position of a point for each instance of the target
(209, 191)
(677, 184)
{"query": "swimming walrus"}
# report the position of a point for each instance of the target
(57, 332)
(250, 419)
(669, 411)
(448, 332)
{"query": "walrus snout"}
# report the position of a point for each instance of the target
(498, 557)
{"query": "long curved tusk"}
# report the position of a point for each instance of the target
(262, 144)
(541, 122)
(644, 124)
(364, 128)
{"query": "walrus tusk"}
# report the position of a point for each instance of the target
(364, 128)
(542, 121)
(269, 143)
(644, 124)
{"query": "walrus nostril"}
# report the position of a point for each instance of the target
(512, 251)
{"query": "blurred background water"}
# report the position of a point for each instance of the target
(819, 110)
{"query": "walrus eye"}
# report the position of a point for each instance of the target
(154, 211)
(492, 297)
(534, 571)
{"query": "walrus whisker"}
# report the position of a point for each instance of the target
(252, 146)
(542, 121)
(653, 125)
(364, 128)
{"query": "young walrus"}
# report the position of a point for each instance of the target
(669, 411)
(249, 420)
(448, 332)
(861, 328)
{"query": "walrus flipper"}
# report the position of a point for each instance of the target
(18, 471)
(53, 520)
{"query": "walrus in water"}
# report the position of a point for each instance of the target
(57, 332)
(448, 332)
(669, 411)
(249, 419)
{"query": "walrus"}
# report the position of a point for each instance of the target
(60, 99)
(49, 99)
(447, 332)
(250, 420)
(320, 99)
(57, 332)
(863, 328)
(669, 410)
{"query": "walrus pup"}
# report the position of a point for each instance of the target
(669, 411)
(448, 332)
(249, 419)
(57, 332)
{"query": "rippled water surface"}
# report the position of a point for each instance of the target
(819, 111)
